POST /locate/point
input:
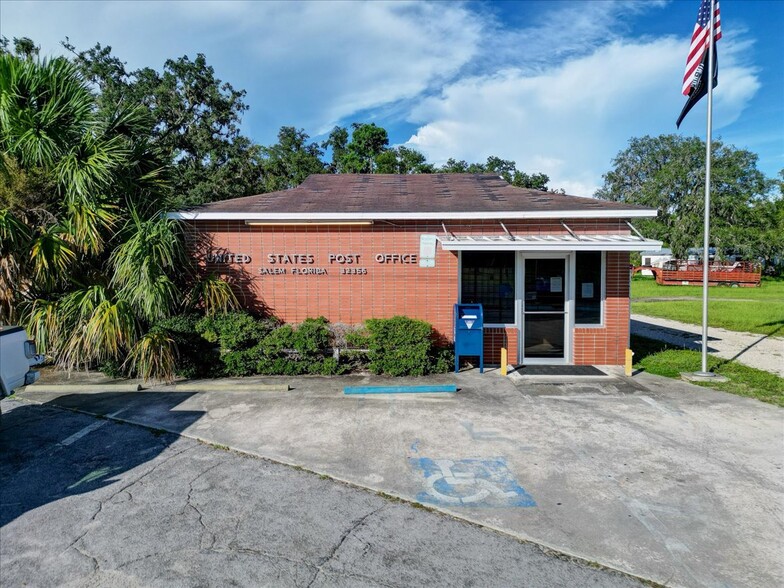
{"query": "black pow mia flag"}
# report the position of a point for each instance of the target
(699, 87)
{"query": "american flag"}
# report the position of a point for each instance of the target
(699, 42)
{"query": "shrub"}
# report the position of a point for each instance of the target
(112, 369)
(196, 356)
(442, 360)
(238, 344)
(312, 337)
(399, 346)
(301, 350)
(279, 366)
(241, 363)
(358, 339)
(278, 341)
(233, 331)
(354, 360)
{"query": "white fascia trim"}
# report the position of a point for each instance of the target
(434, 216)
(567, 246)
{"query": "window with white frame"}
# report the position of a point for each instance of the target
(488, 277)
(589, 288)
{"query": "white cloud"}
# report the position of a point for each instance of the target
(307, 64)
(561, 30)
(568, 84)
(571, 120)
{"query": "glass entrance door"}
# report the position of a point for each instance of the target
(544, 310)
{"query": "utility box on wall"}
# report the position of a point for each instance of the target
(469, 333)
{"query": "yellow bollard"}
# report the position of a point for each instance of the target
(503, 361)
(628, 366)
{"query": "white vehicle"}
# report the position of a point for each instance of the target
(17, 356)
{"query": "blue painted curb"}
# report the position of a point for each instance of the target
(399, 389)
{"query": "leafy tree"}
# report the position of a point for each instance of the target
(291, 160)
(767, 242)
(24, 47)
(337, 142)
(368, 141)
(402, 160)
(195, 122)
(504, 168)
(668, 173)
(358, 155)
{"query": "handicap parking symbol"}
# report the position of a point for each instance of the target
(470, 482)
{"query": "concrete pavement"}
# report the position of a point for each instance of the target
(88, 502)
(758, 351)
(659, 478)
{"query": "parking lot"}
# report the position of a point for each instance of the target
(654, 477)
(89, 502)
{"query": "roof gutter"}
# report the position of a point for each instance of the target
(433, 216)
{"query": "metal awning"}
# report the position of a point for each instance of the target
(548, 243)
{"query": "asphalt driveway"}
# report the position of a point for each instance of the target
(664, 480)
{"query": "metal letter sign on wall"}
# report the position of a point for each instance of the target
(427, 251)
(346, 263)
(227, 257)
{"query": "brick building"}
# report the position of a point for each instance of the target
(551, 270)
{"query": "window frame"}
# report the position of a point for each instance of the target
(603, 294)
(516, 321)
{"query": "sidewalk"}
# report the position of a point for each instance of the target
(754, 350)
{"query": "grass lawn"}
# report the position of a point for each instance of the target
(755, 310)
(665, 360)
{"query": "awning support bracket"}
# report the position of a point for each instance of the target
(503, 226)
(447, 234)
(636, 232)
(571, 232)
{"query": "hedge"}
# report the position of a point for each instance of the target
(240, 344)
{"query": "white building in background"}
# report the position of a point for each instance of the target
(655, 259)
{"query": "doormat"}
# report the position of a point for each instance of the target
(559, 370)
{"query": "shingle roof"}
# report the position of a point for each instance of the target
(388, 196)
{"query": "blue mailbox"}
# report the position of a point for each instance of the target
(469, 333)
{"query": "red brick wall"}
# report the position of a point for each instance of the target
(498, 337)
(389, 289)
(386, 290)
(607, 345)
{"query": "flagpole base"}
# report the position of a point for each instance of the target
(703, 377)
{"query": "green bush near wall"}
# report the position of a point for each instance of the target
(238, 344)
(400, 346)
(196, 357)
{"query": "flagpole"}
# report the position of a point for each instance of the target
(706, 236)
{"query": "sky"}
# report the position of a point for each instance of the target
(558, 86)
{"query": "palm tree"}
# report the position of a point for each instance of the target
(89, 263)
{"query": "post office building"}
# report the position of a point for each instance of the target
(550, 270)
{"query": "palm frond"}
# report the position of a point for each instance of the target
(14, 242)
(14, 233)
(101, 327)
(44, 108)
(44, 324)
(153, 249)
(214, 295)
(88, 222)
(89, 167)
(153, 357)
(153, 298)
(51, 257)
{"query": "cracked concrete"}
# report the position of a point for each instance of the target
(354, 526)
(128, 507)
(656, 477)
